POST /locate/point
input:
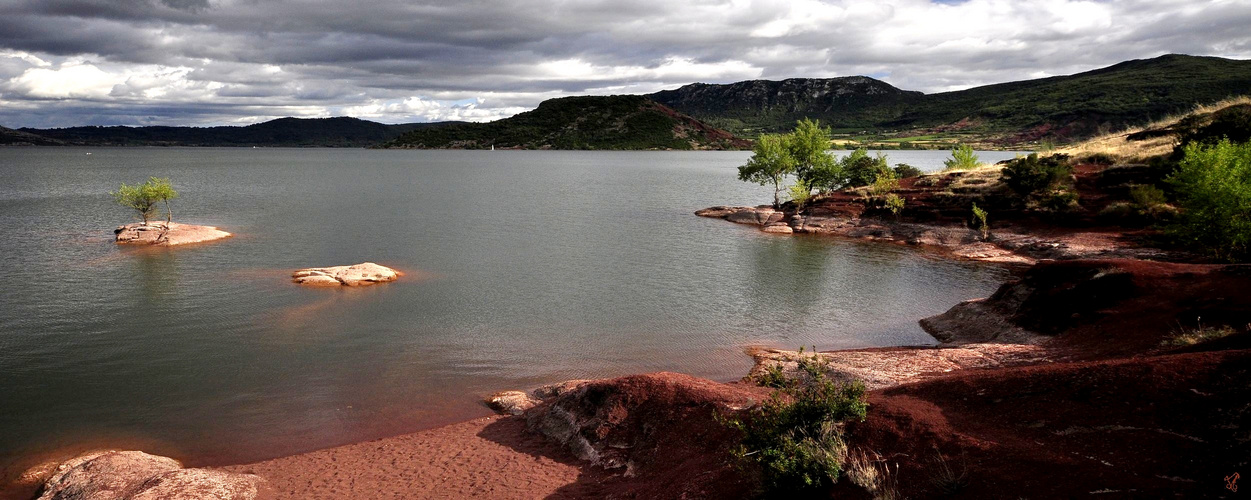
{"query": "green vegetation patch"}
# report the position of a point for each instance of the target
(795, 437)
(1213, 187)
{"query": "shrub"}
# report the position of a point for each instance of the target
(895, 204)
(1146, 196)
(906, 171)
(962, 158)
(794, 436)
(884, 183)
(979, 221)
(1151, 203)
(1213, 186)
(1119, 212)
(774, 376)
(800, 194)
(1060, 200)
(859, 169)
(1032, 175)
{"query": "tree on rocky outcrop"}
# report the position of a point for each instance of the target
(809, 145)
(771, 162)
(143, 198)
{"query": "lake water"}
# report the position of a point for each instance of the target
(523, 268)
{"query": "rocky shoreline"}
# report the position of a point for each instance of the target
(1008, 244)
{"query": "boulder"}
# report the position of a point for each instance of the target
(719, 211)
(511, 402)
(779, 228)
(134, 475)
(166, 234)
(759, 216)
(363, 274)
(517, 402)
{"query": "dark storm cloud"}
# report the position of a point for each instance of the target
(66, 62)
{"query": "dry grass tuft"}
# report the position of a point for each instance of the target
(873, 474)
(1125, 151)
(1186, 336)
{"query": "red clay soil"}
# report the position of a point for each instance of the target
(1170, 426)
(656, 434)
(1101, 309)
(488, 457)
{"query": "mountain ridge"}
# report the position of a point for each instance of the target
(1063, 107)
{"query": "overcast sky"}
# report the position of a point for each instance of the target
(214, 62)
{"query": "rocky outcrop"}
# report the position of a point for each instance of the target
(1101, 308)
(366, 273)
(657, 431)
(134, 475)
(166, 234)
(612, 422)
(517, 402)
(880, 368)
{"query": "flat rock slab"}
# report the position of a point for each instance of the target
(166, 234)
(366, 273)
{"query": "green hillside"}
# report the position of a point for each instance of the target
(1059, 108)
(591, 122)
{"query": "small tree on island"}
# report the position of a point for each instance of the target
(143, 198)
(770, 162)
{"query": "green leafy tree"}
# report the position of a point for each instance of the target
(809, 146)
(962, 158)
(771, 162)
(860, 169)
(143, 198)
(1213, 186)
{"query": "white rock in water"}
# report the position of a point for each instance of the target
(362, 274)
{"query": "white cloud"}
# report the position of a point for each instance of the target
(224, 61)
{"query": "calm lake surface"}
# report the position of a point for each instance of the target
(523, 268)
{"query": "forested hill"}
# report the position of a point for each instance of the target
(293, 132)
(1061, 107)
(10, 137)
(591, 122)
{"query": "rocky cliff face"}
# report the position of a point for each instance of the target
(846, 101)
